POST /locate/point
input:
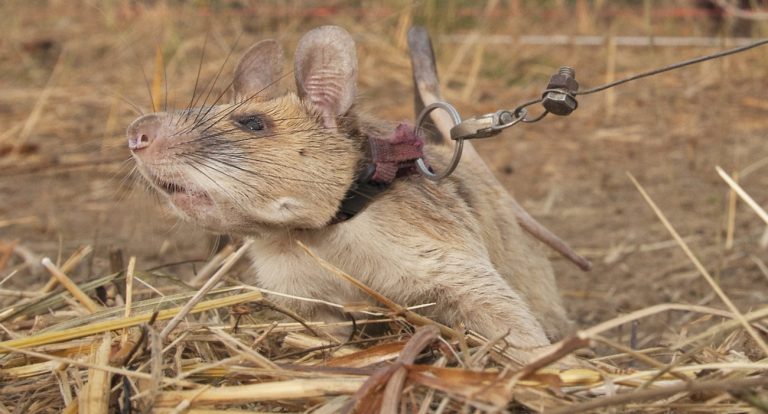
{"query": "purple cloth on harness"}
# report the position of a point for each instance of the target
(396, 155)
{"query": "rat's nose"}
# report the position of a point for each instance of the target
(138, 141)
(143, 132)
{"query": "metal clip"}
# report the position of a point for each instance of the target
(482, 126)
(488, 125)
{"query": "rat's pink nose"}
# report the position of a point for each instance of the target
(143, 132)
(138, 141)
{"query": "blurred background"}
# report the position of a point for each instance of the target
(74, 74)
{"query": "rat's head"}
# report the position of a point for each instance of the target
(270, 160)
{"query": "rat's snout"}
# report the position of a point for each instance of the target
(144, 131)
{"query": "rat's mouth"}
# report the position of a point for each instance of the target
(186, 199)
(180, 191)
(181, 196)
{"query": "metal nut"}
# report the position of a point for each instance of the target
(563, 81)
(559, 103)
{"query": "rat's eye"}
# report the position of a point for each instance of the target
(252, 123)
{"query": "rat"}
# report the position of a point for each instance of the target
(276, 166)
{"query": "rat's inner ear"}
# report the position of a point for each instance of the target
(326, 71)
(258, 74)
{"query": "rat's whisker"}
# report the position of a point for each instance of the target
(246, 157)
(216, 78)
(254, 173)
(197, 78)
(252, 96)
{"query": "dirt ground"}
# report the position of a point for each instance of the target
(70, 73)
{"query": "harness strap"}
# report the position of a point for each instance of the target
(391, 157)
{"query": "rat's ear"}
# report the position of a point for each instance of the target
(258, 73)
(326, 71)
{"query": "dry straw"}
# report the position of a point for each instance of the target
(220, 360)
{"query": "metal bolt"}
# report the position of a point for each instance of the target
(565, 78)
(560, 100)
(568, 71)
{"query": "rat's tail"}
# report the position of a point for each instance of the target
(425, 83)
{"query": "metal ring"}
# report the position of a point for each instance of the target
(456, 118)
